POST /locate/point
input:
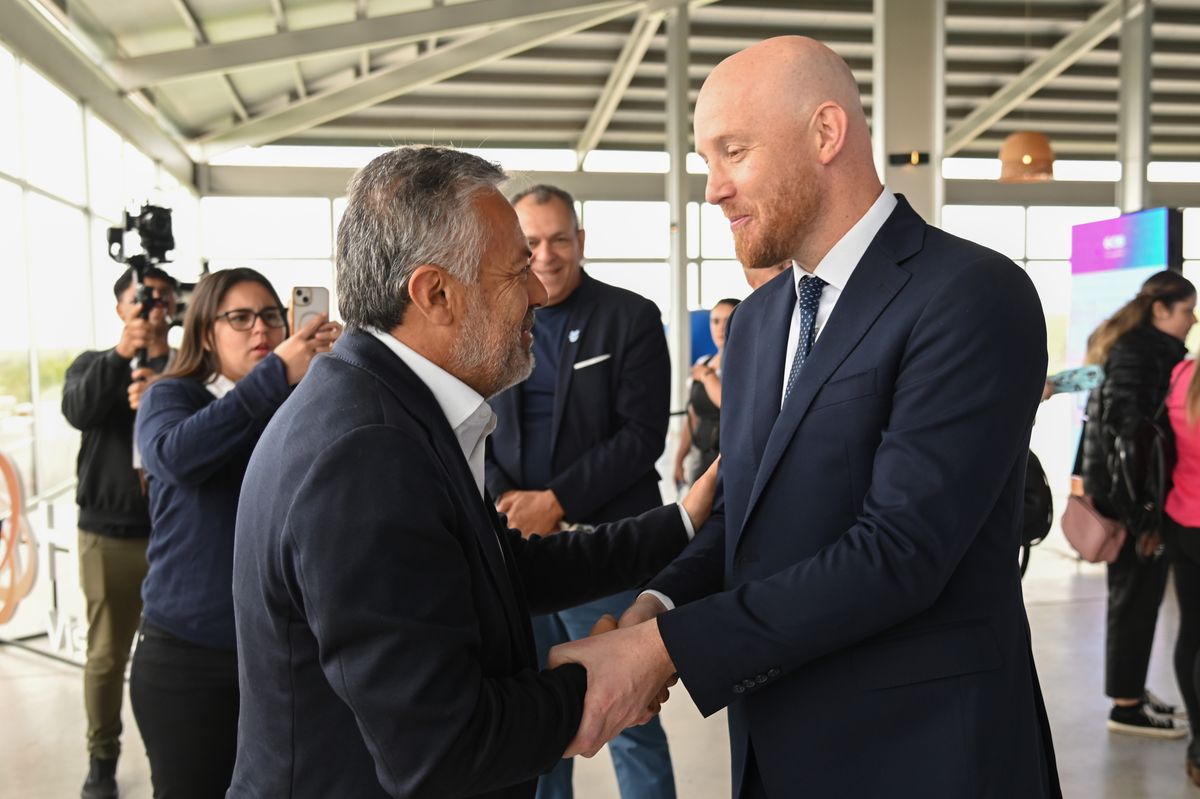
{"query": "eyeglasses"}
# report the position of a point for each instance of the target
(243, 318)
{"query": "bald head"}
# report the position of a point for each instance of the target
(782, 128)
(797, 73)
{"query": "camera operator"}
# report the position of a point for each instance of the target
(114, 521)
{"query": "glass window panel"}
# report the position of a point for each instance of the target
(1191, 232)
(693, 286)
(1102, 171)
(696, 165)
(651, 280)
(106, 325)
(1173, 172)
(722, 279)
(105, 185)
(1052, 279)
(53, 127)
(1049, 228)
(16, 396)
(265, 227)
(286, 275)
(626, 161)
(693, 230)
(185, 226)
(1001, 227)
(716, 239)
(58, 275)
(339, 210)
(139, 176)
(970, 168)
(10, 140)
(627, 229)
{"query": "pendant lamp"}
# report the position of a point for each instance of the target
(1026, 157)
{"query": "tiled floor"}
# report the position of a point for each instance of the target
(41, 714)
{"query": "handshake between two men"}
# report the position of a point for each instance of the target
(629, 671)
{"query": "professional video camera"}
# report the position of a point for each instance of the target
(153, 224)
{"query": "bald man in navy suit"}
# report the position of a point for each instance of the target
(857, 606)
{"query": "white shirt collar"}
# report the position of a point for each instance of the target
(219, 385)
(467, 412)
(837, 265)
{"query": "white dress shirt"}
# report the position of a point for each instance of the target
(469, 415)
(835, 269)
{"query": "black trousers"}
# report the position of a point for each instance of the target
(1135, 591)
(1183, 545)
(185, 701)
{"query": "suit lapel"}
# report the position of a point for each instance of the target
(874, 283)
(580, 313)
(365, 351)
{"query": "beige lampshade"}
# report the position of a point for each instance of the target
(1026, 157)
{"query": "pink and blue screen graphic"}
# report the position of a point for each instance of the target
(1110, 260)
(1127, 242)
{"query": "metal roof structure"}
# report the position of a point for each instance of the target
(590, 74)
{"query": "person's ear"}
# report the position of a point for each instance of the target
(580, 238)
(829, 126)
(432, 290)
(1160, 310)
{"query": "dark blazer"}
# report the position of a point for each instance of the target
(382, 612)
(858, 608)
(610, 415)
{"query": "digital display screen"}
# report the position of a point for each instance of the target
(1131, 241)
(1110, 260)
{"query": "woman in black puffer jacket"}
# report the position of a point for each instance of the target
(1138, 346)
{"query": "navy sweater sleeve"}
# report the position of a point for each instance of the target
(184, 441)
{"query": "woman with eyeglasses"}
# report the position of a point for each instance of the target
(195, 430)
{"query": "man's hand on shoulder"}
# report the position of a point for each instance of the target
(531, 512)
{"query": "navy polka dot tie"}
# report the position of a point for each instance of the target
(809, 297)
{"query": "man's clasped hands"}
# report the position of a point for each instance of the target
(629, 671)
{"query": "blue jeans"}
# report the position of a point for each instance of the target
(640, 754)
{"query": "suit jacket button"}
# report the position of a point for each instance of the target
(773, 672)
(738, 688)
(762, 678)
(749, 683)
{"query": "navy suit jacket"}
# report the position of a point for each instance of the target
(858, 607)
(384, 643)
(610, 413)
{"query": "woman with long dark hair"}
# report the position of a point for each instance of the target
(1138, 346)
(196, 428)
(1181, 529)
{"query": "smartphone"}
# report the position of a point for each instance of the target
(307, 302)
(1085, 378)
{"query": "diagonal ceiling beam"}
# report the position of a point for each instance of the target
(383, 84)
(140, 71)
(190, 19)
(639, 40)
(1053, 63)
